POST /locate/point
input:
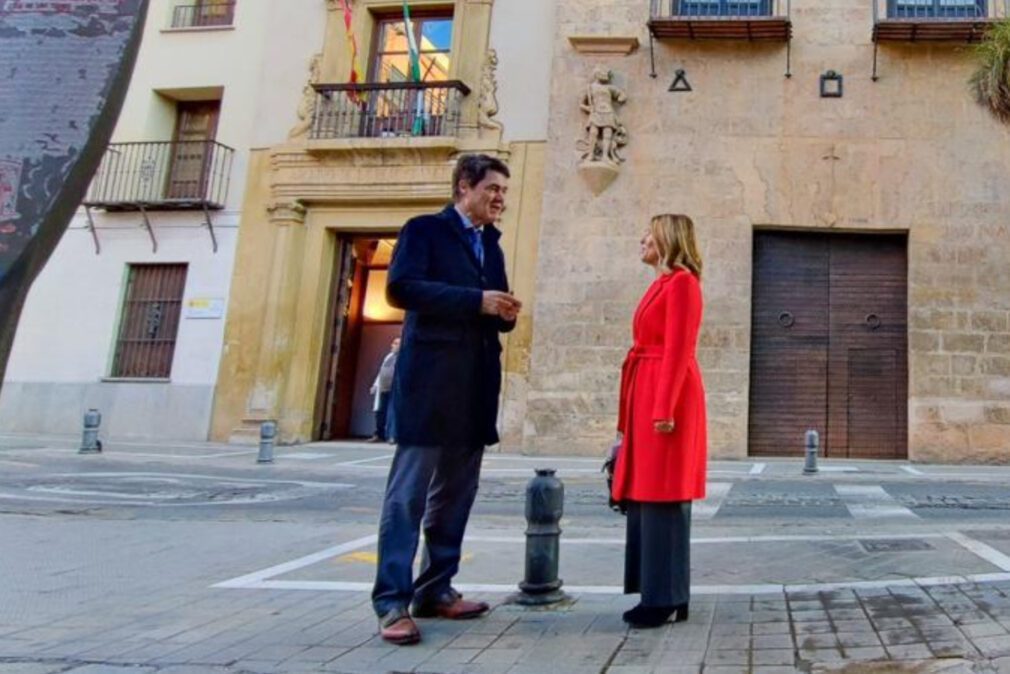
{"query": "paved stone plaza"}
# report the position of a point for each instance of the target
(193, 559)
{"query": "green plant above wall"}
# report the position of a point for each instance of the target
(990, 82)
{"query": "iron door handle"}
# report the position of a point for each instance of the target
(786, 319)
(873, 321)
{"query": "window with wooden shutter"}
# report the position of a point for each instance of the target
(150, 321)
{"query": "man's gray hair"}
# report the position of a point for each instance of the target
(473, 168)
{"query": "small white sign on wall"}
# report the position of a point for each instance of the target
(205, 307)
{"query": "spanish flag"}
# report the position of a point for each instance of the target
(352, 47)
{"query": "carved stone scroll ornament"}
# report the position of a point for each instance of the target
(605, 135)
(488, 105)
(307, 106)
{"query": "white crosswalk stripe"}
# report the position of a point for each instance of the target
(707, 509)
(871, 502)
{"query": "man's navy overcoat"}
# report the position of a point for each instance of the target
(448, 374)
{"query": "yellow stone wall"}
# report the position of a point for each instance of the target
(303, 193)
(275, 337)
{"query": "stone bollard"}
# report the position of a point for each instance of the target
(90, 444)
(813, 440)
(545, 499)
(268, 434)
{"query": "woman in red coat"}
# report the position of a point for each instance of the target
(661, 463)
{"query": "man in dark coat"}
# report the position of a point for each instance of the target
(448, 273)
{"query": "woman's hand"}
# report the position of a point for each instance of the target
(664, 426)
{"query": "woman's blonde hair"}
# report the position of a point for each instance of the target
(674, 237)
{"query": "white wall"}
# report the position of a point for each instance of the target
(67, 329)
(297, 32)
(523, 33)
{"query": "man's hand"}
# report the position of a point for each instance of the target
(497, 303)
(665, 426)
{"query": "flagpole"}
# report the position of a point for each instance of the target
(414, 69)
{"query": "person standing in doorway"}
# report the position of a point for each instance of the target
(382, 389)
(661, 464)
(448, 274)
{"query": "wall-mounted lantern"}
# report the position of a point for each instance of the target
(831, 85)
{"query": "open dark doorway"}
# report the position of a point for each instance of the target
(362, 327)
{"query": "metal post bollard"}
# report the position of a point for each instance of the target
(268, 433)
(545, 499)
(813, 443)
(90, 444)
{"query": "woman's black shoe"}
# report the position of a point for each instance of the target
(648, 616)
(681, 611)
(655, 616)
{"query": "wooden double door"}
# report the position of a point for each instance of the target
(829, 345)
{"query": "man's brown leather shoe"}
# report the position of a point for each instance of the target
(398, 628)
(452, 607)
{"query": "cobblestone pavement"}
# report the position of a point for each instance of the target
(165, 559)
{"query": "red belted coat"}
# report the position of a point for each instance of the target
(660, 380)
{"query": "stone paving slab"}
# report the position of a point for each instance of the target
(912, 629)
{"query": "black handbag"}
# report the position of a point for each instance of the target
(608, 469)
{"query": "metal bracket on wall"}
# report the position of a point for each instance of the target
(874, 76)
(91, 228)
(789, 57)
(652, 57)
(210, 226)
(147, 226)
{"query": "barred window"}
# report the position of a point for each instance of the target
(149, 321)
(202, 13)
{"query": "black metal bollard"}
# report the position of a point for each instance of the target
(268, 434)
(545, 500)
(90, 444)
(813, 442)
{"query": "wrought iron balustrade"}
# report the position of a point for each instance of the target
(203, 15)
(388, 109)
(935, 20)
(940, 9)
(162, 175)
(718, 9)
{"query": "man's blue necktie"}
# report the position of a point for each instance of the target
(476, 244)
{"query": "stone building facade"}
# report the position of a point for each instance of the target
(903, 159)
(849, 196)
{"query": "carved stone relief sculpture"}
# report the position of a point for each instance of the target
(605, 135)
(307, 106)
(488, 105)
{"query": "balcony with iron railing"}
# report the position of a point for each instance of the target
(203, 15)
(166, 175)
(935, 20)
(388, 110)
(753, 20)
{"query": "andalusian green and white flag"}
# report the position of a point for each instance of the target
(414, 74)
